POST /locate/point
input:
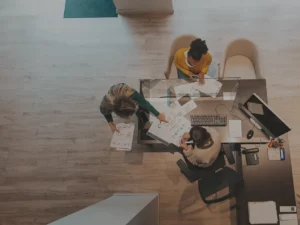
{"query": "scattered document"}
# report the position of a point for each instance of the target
(235, 128)
(187, 89)
(262, 212)
(184, 109)
(171, 132)
(288, 219)
(161, 105)
(188, 107)
(122, 140)
(211, 87)
(229, 96)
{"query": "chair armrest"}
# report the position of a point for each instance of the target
(229, 155)
(223, 198)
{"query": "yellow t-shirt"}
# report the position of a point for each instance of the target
(201, 66)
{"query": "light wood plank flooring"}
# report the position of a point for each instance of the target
(54, 144)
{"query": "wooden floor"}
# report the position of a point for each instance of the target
(54, 144)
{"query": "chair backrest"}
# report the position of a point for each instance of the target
(214, 178)
(224, 178)
(245, 48)
(182, 41)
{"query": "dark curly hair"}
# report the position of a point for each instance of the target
(198, 48)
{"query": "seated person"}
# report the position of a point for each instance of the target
(192, 61)
(122, 100)
(205, 147)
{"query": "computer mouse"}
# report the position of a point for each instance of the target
(250, 134)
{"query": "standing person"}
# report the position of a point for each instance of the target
(205, 148)
(123, 100)
(193, 61)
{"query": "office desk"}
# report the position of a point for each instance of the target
(208, 105)
(267, 181)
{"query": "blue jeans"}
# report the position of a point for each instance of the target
(181, 75)
(212, 72)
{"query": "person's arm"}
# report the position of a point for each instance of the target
(206, 66)
(176, 62)
(144, 103)
(108, 116)
(189, 153)
(106, 112)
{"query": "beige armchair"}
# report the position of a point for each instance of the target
(182, 41)
(240, 59)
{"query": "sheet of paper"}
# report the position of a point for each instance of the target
(172, 131)
(186, 89)
(288, 216)
(288, 222)
(262, 212)
(288, 219)
(211, 87)
(235, 128)
(175, 106)
(188, 107)
(229, 96)
(123, 140)
(183, 109)
(161, 105)
(274, 154)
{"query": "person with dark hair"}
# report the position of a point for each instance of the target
(205, 146)
(193, 61)
(123, 100)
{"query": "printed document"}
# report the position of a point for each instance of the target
(123, 140)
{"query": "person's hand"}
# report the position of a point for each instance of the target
(190, 75)
(162, 118)
(183, 145)
(186, 136)
(113, 127)
(201, 78)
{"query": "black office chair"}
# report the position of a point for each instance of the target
(214, 178)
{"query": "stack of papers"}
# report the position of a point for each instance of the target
(262, 212)
(122, 140)
(288, 219)
(211, 87)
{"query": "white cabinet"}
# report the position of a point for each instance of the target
(120, 209)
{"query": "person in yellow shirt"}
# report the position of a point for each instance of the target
(193, 61)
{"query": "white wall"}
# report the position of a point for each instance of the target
(120, 209)
(144, 6)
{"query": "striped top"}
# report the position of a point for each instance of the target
(122, 89)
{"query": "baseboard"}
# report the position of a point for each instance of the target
(126, 12)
